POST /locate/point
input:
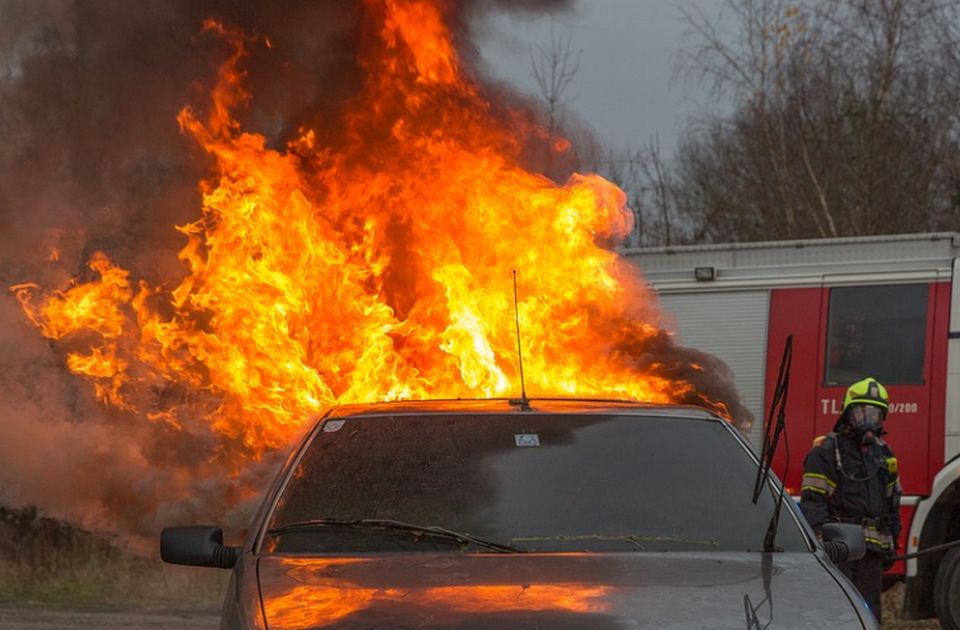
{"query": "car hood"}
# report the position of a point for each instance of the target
(557, 591)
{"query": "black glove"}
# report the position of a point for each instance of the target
(888, 556)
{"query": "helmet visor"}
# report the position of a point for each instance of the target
(866, 415)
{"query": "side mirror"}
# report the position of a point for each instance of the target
(844, 542)
(200, 546)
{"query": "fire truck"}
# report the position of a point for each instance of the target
(881, 306)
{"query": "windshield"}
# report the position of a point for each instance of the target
(539, 482)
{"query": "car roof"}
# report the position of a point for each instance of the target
(514, 405)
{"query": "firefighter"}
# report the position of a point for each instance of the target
(851, 476)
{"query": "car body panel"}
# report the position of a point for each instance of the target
(581, 590)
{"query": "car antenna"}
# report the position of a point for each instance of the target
(524, 402)
(771, 440)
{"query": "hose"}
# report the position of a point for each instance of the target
(928, 550)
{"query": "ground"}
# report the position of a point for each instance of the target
(892, 602)
(34, 617)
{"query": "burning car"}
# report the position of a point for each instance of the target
(525, 513)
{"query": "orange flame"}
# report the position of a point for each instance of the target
(317, 606)
(318, 600)
(371, 265)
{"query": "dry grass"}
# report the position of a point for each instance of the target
(892, 617)
(46, 560)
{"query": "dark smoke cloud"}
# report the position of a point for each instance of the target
(90, 99)
(92, 159)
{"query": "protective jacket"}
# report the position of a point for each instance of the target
(844, 482)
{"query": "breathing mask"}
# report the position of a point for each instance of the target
(866, 421)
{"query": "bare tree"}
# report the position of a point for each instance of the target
(655, 172)
(646, 179)
(844, 120)
(554, 66)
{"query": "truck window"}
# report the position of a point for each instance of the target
(877, 331)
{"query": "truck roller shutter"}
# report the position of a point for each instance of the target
(733, 326)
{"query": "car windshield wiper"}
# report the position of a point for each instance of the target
(430, 531)
(634, 539)
(771, 439)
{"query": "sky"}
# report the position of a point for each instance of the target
(627, 89)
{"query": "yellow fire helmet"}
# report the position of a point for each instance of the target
(867, 392)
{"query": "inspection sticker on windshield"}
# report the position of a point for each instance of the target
(527, 439)
(333, 425)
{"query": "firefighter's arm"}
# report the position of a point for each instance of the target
(894, 491)
(819, 484)
(892, 517)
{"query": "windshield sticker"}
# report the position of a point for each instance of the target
(527, 439)
(333, 425)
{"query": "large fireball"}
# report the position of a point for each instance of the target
(376, 264)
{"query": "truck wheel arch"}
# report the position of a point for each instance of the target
(935, 522)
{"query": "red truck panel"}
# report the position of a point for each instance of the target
(795, 312)
(916, 420)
